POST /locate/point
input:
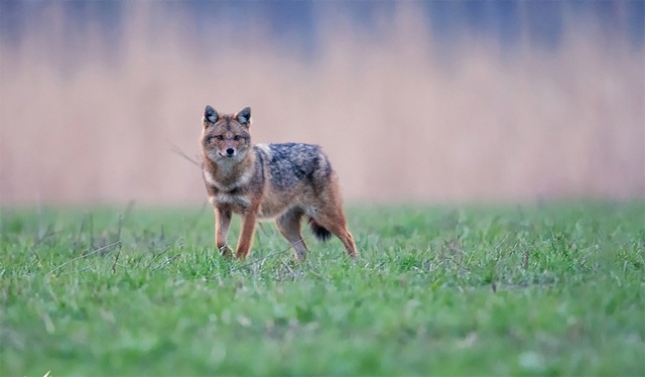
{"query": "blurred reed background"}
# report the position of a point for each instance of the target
(442, 102)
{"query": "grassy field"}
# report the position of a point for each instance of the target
(555, 290)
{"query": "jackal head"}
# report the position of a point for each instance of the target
(226, 137)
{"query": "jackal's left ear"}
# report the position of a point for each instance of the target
(244, 116)
(210, 115)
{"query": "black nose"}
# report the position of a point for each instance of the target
(230, 151)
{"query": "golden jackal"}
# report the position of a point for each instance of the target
(264, 181)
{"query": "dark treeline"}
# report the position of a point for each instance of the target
(543, 23)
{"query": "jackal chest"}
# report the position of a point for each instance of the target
(228, 192)
(267, 210)
(241, 194)
(237, 202)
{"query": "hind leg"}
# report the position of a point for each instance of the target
(289, 225)
(330, 215)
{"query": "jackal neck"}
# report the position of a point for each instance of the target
(228, 174)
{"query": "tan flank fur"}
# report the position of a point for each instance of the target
(286, 182)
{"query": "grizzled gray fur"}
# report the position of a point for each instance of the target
(290, 163)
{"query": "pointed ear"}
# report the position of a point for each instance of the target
(244, 116)
(210, 115)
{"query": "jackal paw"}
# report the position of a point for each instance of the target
(226, 251)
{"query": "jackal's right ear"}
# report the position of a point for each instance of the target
(210, 115)
(244, 116)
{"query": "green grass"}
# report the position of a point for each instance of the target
(556, 290)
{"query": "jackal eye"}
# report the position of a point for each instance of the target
(237, 137)
(219, 137)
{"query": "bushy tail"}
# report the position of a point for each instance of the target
(319, 231)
